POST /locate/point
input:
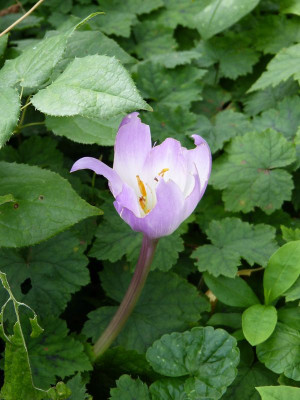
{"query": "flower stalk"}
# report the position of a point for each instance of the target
(131, 297)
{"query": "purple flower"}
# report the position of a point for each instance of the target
(155, 188)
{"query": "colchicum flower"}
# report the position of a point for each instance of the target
(155, 188)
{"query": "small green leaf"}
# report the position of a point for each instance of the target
(282, 271)
(202, 354)
(250, 173)
(290, 234)
(78, 388)
(233, 292)
(281, 352)
(233, 239)
(45, 205)
(129, 389)
(258, 323)
(279, 392)
(293, 293)
(37, 330)
(10, 110)
(93, 87)
(221, 14)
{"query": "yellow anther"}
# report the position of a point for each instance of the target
(163, 171)
(142, 202)
(141, 186)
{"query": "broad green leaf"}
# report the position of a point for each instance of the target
(220, 15)
(176, 87)
(284, 118)
(168, 389)
(129, 389)
(214, 100)
(167, 303)
(290, 234)
(3, 44)
(202, 354)
(283, 66)
(115, 22)
(290, 316)
(290, 7)
(55, 354)
(293, 293)
(78, 388)
(114, 239)
(172, 59)
(258, 323)
(10, 110)
(34, 66)
(232, 320)
(222, 127)
(232, 240)
(85, 130)
(233, 292)
(282, 271)
(279, 392)
(45, 205)
(250, 173)
(93, 87)
(30, 21)
(281, 352)
(56, 269)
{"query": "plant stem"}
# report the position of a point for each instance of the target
(22, 18)
(131, 297)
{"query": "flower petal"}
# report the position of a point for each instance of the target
(100, 168)
(164, 218)
(128, 199)
(128, 118)
(133, 143)
(192, 200)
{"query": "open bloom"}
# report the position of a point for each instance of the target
(155, 188)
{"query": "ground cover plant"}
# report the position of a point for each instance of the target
(218, 317)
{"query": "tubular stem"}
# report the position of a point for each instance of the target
(131, 297)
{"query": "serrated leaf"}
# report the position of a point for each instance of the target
(45, 205)
(129, 389)
(250, 173)
(233, 292)
(279, 392)
(167, 303)
(258, 323)
(168, 389)
(78, 388)
(93, 87)
(56, 269)
(281, 352)
(201, 354)
(290, 234)
(282, 67)
(55, 354)
(222, 127)
(116, 22)
(174, 58)
(233, 239)
(221, 14)
(10, 110)
(177, 87)
(85, 130)
(282, 271)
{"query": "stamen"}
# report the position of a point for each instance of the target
(141, 186)
(142, 202)
(163, 171)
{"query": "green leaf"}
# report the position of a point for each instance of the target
(77, 388)
(222, 127)
(56, 269)
(258, 323)
(251, 172)
(3, 44)
(233, 292)
(232, 320)
(167, 303)
(279, 392)
(283, 66)
(176, 87)
(290, 234)
(202, 354)
(285, 118)
(281, 352)
(33, 67)
(129, 389)
(171, 59)
(45, 205)
(93, 87)
(55, 354)
(290, 316)
(10, 110)
(282, 271)
(115, 22)
(153, 39)
(114, 239)
(85, 130)
(168, 389)
(233, 239)
(293, 293)
(290, 7)
(220, 14)
(30, 21)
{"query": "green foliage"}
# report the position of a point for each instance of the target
(259, 322)
(167, 303)
(232, 240)
(9, 101)
(129, 389)
(279, 393)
